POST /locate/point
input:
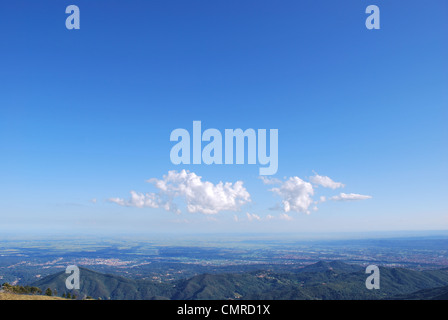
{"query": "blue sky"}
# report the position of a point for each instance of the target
(87, 114)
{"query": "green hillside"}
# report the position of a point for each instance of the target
(320, 281)
(105, 286)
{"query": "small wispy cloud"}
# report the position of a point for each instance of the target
(253, 216)
(139, 200)
(350, 197)
(325, 182)
(285, 217)
(267, 180)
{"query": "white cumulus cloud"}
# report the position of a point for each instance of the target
(198, 195)
(296, 195)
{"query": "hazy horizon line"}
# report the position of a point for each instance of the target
(348, 235)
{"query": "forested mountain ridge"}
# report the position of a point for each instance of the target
(319, 281)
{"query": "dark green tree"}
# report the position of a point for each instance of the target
(48, 292)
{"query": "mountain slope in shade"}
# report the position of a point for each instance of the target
(440, 293)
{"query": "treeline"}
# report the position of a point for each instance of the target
(37, 291)
(21, 289)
